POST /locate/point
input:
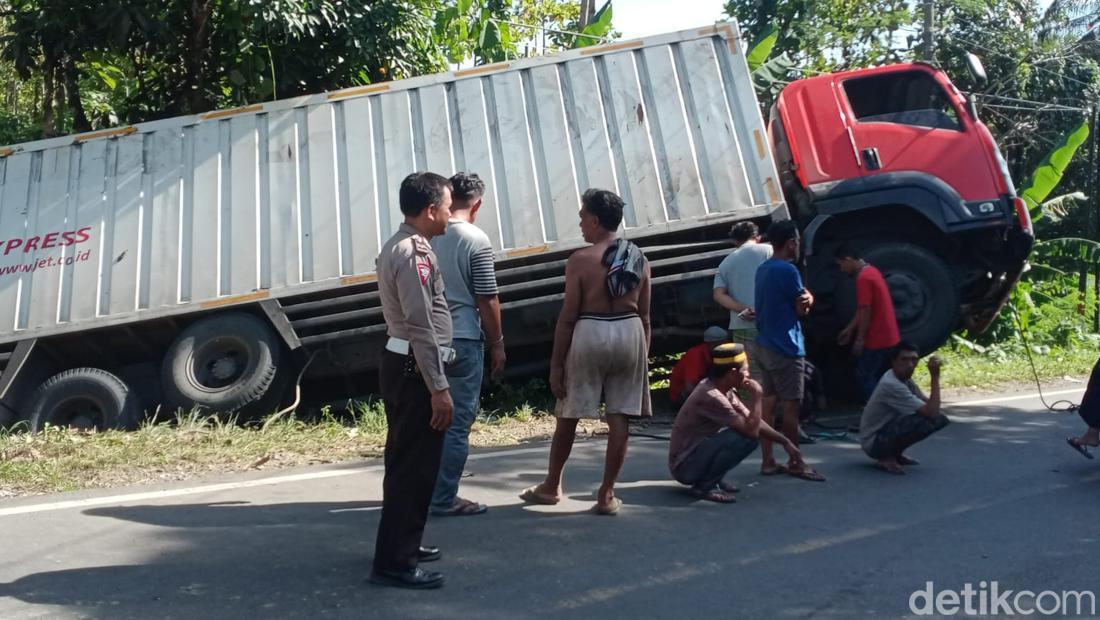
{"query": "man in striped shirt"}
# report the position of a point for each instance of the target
(466, 260)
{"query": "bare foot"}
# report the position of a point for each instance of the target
(1087, 440)
(890, 466)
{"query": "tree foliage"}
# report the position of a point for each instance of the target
(95, 63)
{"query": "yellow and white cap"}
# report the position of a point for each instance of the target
(729, 354)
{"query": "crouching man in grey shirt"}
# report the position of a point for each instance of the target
(898, 415)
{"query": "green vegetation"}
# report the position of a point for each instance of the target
(79, 65)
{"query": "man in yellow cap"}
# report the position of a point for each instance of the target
(715, 430)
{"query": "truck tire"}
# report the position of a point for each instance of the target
(926, 299)
(85, 398)
(225, 363)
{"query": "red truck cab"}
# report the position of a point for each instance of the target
(894, 161)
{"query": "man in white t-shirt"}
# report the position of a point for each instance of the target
(898, 415)
(735, 282)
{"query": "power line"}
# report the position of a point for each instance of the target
(1056, 106)
(1036, 66)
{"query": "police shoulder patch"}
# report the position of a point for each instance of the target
(421, 244)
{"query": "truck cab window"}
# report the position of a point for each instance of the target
(905, 98)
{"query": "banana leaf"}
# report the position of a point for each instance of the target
(761, 49)
(1049, 173)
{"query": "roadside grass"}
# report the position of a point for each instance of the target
(197, 443)
(965, 369)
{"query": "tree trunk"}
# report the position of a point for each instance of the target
(47, 98)
(588, 10)
(76, 106)
(199, 35)
(1082, 289)
(59, 102)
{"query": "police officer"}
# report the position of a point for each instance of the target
(414, 385)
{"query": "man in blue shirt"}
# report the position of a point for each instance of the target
(781, 300)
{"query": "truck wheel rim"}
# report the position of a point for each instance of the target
(219, 363)
(909, 296)
(77, 412)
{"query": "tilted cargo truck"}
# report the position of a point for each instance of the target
(214, 259)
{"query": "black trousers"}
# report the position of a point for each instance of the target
(1090, 403)
(903, 432)
(413, 451)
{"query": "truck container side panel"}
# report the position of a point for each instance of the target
(400, 161)
(30, 240)
(635, 140)
(477, 152)
(343, 189)
(121, 271)
(753, 142)
(436, 123)
(362, 192)
(615, 145)
(588, 114)
(202, 221)
(458, 155)
(12, 231)
(516, 184)
(557, 181)
(672, 137)
(323, 203)
(89, 216)
(499, 196)
(52, 205)
(240, 246)
(720, 150)
(107, 230)
(282, 234)
(165, 156)
(304, 186)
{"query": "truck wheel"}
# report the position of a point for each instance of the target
(85, 398)
(226, 363)
(926, 299)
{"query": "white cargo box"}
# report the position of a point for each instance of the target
(293, 196)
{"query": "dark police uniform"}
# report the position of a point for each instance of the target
(412, 367)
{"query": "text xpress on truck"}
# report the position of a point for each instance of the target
(203, 260)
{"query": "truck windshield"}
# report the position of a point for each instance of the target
(904, 98)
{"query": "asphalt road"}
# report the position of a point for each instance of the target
(998, 496)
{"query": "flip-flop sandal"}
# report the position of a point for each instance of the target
(609, 510)
(461, 508)
(716, 495)
(530, 495)
(897, 472)
(806, 474)
(728, 487)
(779, 470)
(1072, 441)
(904, 460)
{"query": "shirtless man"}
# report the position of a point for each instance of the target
(601, 346)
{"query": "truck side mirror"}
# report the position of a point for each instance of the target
(977, 69)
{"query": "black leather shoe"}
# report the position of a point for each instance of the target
(428, 554)
(412, 578)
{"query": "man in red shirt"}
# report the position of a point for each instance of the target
(873, 331)
(692, 366)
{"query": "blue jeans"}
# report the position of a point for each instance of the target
(870, 366)
(464, 376)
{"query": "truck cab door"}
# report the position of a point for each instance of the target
(914, 120)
